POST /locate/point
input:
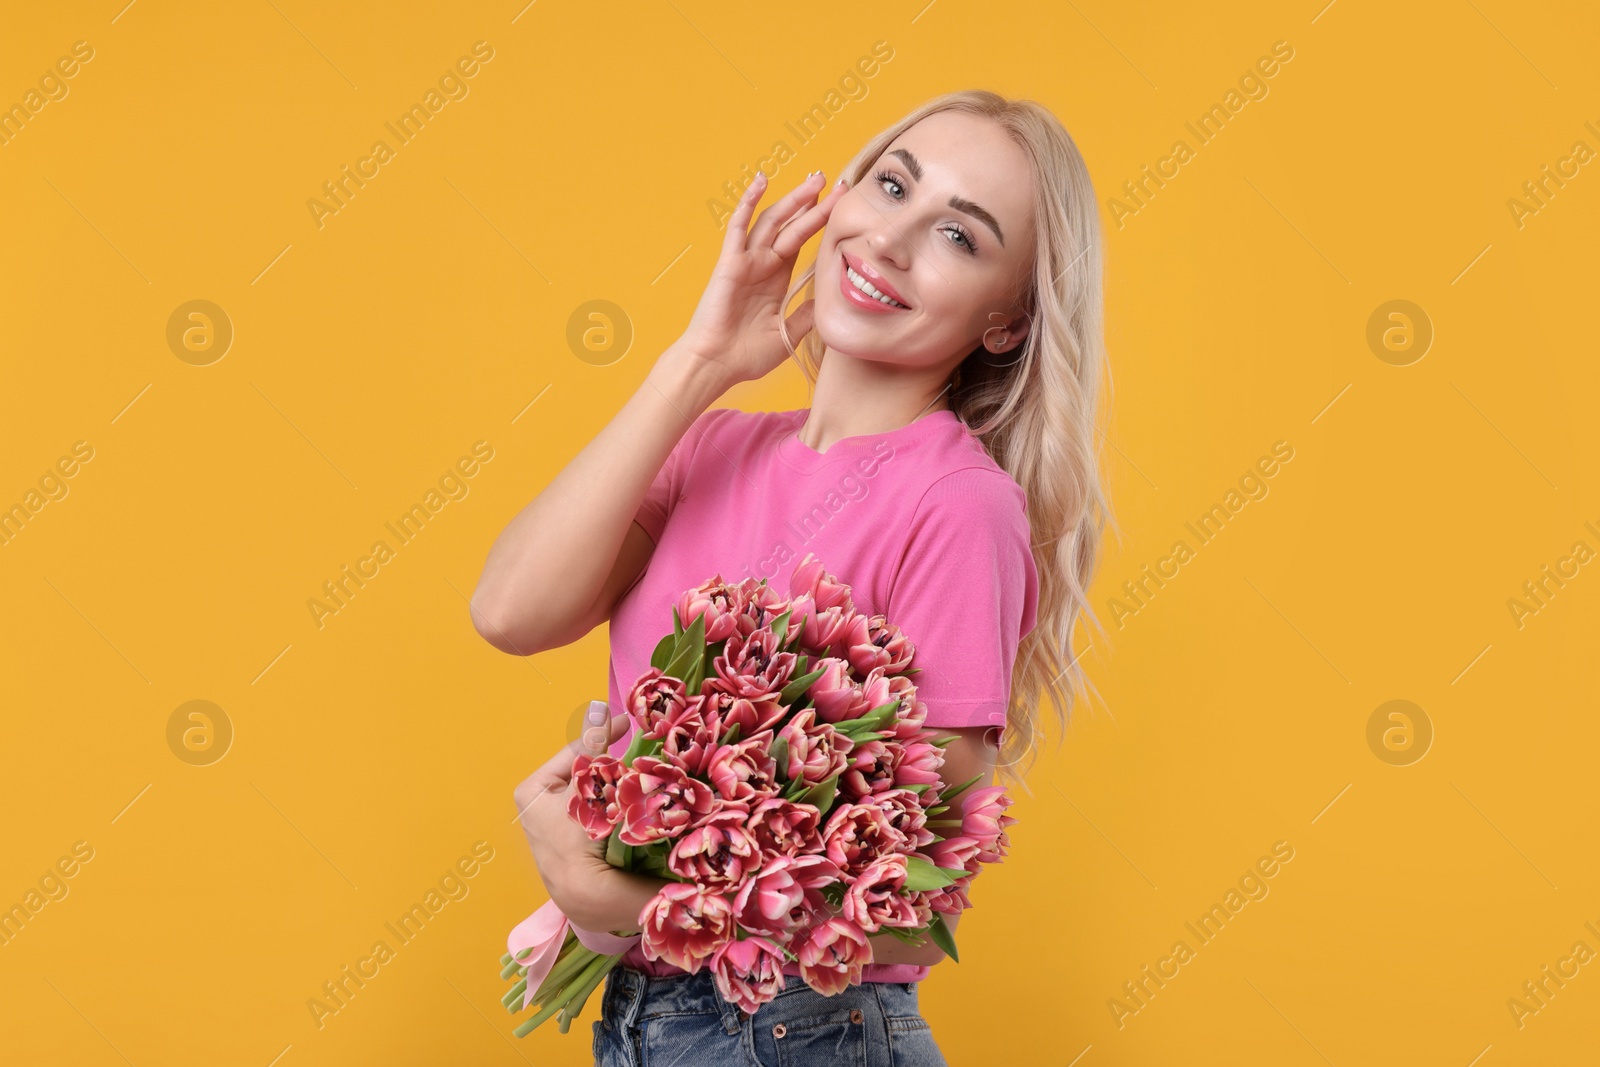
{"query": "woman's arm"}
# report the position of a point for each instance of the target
(551, 564)
(550, 571)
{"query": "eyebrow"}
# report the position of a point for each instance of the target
(960, 203)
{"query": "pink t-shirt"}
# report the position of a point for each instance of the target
(920, 521)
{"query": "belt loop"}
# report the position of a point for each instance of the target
(632, 991)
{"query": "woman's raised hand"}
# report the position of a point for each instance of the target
(735, 325)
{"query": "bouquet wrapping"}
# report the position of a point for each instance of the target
(782, 783)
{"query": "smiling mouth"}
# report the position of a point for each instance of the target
(868, 288)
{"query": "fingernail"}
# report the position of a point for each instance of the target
(839, 184)
(597, 713)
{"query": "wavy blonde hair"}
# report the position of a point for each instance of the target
(1036, 411)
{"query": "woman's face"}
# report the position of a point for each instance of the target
(942, 223)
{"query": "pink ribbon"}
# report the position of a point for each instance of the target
(545, 931)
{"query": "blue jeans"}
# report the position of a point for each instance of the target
(682, 1021)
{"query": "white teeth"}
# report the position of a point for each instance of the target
(866, 287)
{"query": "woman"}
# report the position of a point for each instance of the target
(947, 469)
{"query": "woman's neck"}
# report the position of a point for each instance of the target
(860, 396)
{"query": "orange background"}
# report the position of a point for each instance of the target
(368, 754)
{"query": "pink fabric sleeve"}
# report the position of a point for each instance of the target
(665, 491)
(965, 594)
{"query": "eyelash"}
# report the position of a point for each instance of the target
(971, 248)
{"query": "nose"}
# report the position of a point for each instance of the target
(888, 245)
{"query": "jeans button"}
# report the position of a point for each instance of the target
(855, 1015)
(779, 1030)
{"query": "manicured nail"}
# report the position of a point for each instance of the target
(597, 713)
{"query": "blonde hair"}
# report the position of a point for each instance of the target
(1035, 410)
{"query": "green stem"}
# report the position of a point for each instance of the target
(585, 985)
(513, 999)
(563, 972)
(553, 1003)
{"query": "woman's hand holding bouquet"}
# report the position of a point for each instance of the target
(782, 783)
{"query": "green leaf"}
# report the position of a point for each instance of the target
(962, 788)
(822, 794)
(641, 746)
(910, 937)
(780, 626)
(677, 623)
(922, 875)
(663, 653)
(875, 719)
(690, 647)
(780, 754)
(913, 670)
(732, 735)
(796, 687)
(616, 851)
(943, 936)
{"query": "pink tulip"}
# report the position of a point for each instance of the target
(592, 801)
(952, 899)
(751, 715)
(836, 695)
(716, 851)
(684, 925)
(821, 629)
(984, 820)
(658, 800)
(759, 605)
(817, 751)
(913, 712)
(906, 814)
(919, 764)
(784, 894)
(719, 602)
(875, 642)
(653, 697)
(688, 739)
(874, 900)
(748, 973)
(751, 666)
(784, 828)
(870, 769)
(857, 835)
(744, 770)
(955, 853)
(831, 955)
(811, 580)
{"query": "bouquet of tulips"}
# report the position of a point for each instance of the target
(782, 782)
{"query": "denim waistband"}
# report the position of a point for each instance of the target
(635, 995)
